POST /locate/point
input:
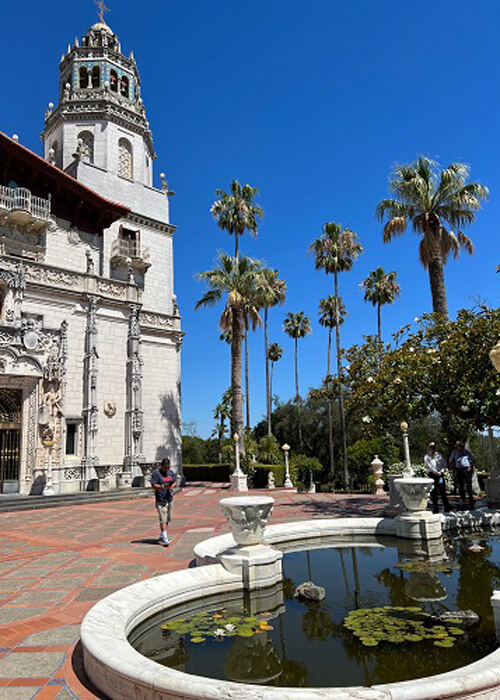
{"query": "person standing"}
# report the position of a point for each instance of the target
(435, 464)
(462, 461)
(163, 481)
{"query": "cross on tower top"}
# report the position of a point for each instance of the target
(101, 9)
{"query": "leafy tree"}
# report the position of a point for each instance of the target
(237, 280)
(271, 293)
(335, 251)
(269, 451)
(236, 212)
(380, 288)
(297, 326)
(430, 200)
(443, 369)
(329, 314)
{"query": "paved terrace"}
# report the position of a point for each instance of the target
(56, 563)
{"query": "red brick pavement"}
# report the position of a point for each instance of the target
(56, 564)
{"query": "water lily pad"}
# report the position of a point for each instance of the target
(246, 632)
(456, 631)
(447, 643)
(197, 640)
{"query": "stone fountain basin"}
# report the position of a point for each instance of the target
(123, 674)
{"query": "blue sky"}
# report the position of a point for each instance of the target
(312, 103)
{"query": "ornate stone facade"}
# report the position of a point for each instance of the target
(91, 347)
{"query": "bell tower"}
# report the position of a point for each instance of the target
(100, 118)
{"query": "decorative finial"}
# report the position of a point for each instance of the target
(101, 10)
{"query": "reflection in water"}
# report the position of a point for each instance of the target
(306, 644)
(253, 660)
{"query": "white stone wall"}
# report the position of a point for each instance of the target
(65, 249)
(161, 399)
(112, 327)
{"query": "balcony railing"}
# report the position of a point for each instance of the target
(126, 252)
(19, 199)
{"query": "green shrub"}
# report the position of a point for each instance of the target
(261, 471)
(207, 472)
(361, 454)
(301, 466)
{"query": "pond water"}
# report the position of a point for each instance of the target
(273, 639)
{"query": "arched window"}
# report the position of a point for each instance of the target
(124, 86)
(113, 81)
(96, 77)
(86, 138)
(125, 159)
(84, 77)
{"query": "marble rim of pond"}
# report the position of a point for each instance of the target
(121, 672)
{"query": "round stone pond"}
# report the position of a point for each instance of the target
(231, 627)
(384, 620)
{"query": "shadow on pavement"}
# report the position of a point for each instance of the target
(77, 664)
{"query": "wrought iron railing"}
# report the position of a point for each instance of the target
(21, 199)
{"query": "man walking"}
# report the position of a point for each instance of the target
(163, 480)
(435, 465)
(462, 461)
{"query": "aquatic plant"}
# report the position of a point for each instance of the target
(218, 625)
(397, 625)
(426, 566)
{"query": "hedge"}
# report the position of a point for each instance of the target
(261, 471)
(206, 472)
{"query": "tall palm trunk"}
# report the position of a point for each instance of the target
(271, 391)
(268, 383)
(436, 273)
(330, 412)
(236, 246)
(438, 290)
(237, 406)
(247, 379)
(379, 323)
(297, 392)
(341, 390)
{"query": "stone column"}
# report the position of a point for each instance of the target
(134, 428)
(90, 408)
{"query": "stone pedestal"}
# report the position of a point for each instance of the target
(260, 566)
(495, 604)
(492, 488)
(124, 480)
(395, 500)
(416, 525)
(239, 481)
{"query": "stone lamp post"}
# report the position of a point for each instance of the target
(288, 482)
(408, 470)
(239, 480)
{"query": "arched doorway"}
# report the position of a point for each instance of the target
(10, 434)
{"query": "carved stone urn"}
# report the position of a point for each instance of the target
(414, 492)
(247, 516)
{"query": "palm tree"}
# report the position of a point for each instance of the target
(273, 292)
(239, 279)
(236, 212)
(430, 201)
(380, 288)
(328, 319)
(328, 314)
(335, 251)
(297, 326)
(222, 412)
(274, 354)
